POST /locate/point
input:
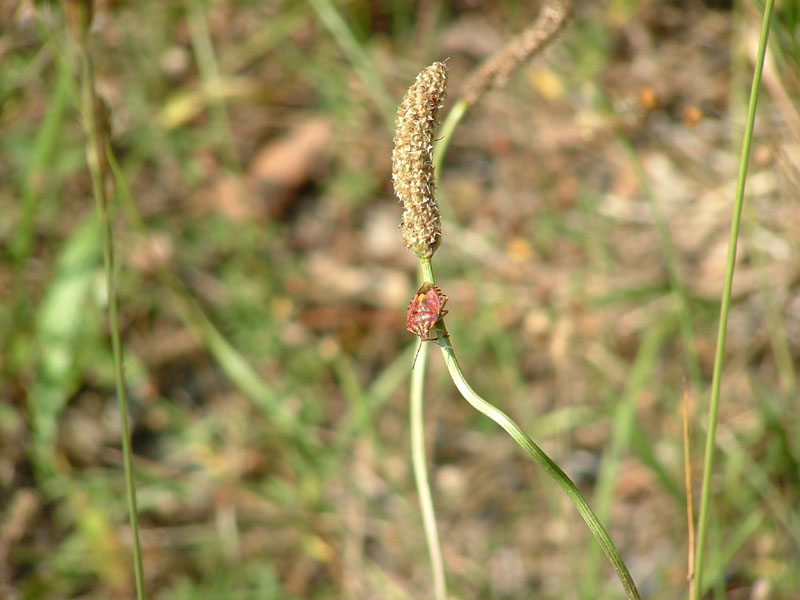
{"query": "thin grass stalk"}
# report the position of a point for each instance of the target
(419, 464)
(97, 145)
(212, 82)
(708, 460)
(233, 364)
(357, 55)
(46, 141)
(687, 482)
(451, 121)
(541, 458)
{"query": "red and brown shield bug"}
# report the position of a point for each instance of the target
(426, 307)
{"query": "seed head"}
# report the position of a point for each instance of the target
(412, 160)
(495, 71)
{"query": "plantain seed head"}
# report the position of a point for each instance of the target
(412, 160)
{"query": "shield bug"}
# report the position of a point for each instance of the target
(426, 307)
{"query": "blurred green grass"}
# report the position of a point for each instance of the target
(262, 303)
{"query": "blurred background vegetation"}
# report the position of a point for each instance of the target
(264, 286)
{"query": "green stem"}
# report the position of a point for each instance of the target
(97, 145)
(419, 463)
(542, 459)
(421, 475)
(623, 425)
(449, 125)
(708, 462)
(212, 82)
(454, 117)
(357, 55)
(230, 360)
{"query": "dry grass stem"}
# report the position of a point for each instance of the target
(79, 15)
(412, 160)
(495, 71)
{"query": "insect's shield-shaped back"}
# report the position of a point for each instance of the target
(425, 308)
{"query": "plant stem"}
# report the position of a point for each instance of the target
(451, 121)
(421, 475)
(97, 145)
(419, 463)
(354, 50)
(212, 83)
(708, 461)
(622, 427)
(542, 459)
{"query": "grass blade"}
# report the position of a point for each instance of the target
(356, 54)
(97, 146)
(713, 411)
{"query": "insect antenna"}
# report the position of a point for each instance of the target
(416, 354)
